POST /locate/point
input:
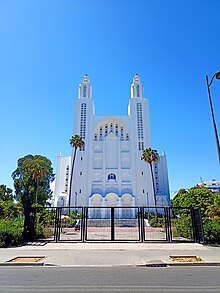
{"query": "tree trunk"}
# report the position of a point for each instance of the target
(36, 196)
(155, 199)
(71, 177)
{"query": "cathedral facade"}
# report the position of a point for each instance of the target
(108, 170)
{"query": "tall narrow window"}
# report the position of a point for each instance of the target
(116, 129)
(111, 127)
(83, 124)
(122, 133)
(138, 90)
(84, 91)
(140, 126)
(100, 133)
(67, 178)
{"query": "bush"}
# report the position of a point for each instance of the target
(160, 222)
(212, 231)
(182, 227)
(44, 221)
(11, 233)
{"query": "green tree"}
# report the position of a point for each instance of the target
(209, 204)
(32, 180)
(10, 210)
(38, 170)
(151, 156)
(213, 210)
(76, 142)
(195, 197)
(6, 194)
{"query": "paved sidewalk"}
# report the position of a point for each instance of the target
(111, 254)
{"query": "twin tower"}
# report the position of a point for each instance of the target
(108, 170)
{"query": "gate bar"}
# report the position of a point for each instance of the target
(112, 224)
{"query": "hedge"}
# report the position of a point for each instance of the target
(11, 233)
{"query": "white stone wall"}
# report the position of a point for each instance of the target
(62, 181)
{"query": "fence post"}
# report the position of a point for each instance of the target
(112, 224)
(83, 224)
(167, 223)
(29, 227)
(141, 219)
(57, 224)
(197, 225)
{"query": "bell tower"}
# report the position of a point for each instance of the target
(85, 89)
(137, 89)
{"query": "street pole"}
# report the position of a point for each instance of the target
(217, 75)
(75, 200)
(147, 205)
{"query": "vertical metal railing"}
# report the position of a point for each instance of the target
(118, 224)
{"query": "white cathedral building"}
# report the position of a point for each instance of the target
(108, 170)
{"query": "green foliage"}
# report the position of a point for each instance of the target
(76, 141)
(209, 204)
(10, 210)
(6, 193)
(182, 227)
(149, 156)
(11, 223)
(11, 233)
(158, 223)
(32, 180)
(194, 197)
(44, 222)
(213, 211)
(212, 231)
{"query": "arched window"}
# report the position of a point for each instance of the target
(111, 176)
(106, 128)
(111, 127)
(122, 133)
(100, 133)
(116, 129)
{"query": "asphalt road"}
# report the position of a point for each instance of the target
(109, 279)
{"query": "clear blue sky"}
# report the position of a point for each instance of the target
(47, 45)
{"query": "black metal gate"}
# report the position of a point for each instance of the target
(112, 224)
(139, 224)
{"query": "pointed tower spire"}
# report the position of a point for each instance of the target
(137, 88)
(85, 89)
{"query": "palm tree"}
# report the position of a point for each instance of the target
(149, 156)
(76, 142)
(37, 172)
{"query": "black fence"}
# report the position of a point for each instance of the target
(139, 224)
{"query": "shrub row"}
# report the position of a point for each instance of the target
(11, 233)
(212, 231)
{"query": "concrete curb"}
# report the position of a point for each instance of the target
(179, 264)
(21, 264)
(150, 264)
(197, 264)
